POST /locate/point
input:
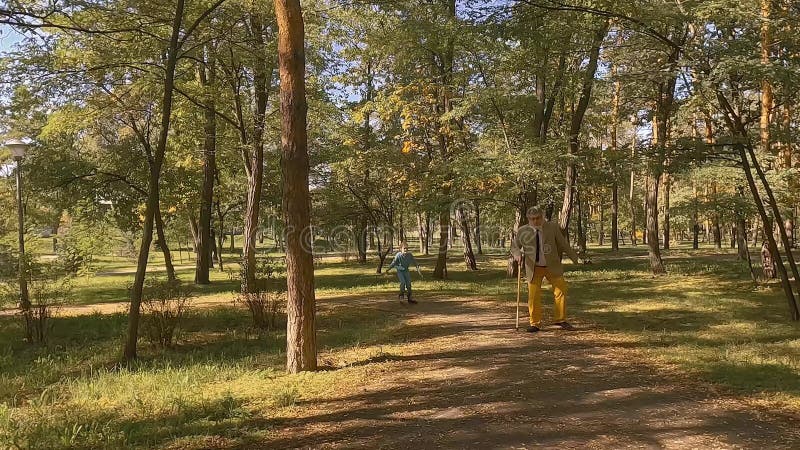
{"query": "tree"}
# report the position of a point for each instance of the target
(301, 350)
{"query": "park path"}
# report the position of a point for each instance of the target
(466, 379)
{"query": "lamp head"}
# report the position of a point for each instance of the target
(17, 148)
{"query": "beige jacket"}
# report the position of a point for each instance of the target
(554, 245)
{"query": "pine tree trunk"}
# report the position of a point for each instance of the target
(301, 346)
(737, 127)
(631, 194)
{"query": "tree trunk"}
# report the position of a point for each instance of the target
(478, 234)
(421, 233)
(216, 239)
(767, 99)
(361, 239)
(615, 217)
(695, 219)
(581, 227)
(735, 124)
(656, 264)
(428, 236)
(153, 185)
(469, 255)
(601, 232)
(162, 242)
(385, 246)
(615, 154)
(207, 76)
(262, 79)
(667, 188)
(631, 194)
(301, 346)
(576, 124)
(440, 271)
(794, 312)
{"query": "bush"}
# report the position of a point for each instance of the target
(264, 307)
(164, 304)
(47, 296)
(269, 300)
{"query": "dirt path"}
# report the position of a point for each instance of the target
(467, 380)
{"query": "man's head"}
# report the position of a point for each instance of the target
(403, 247)
(535, 216)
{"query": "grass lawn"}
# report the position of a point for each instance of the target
(224, 380)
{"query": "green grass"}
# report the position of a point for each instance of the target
(225, 380)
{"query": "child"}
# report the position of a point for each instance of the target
(403, 261)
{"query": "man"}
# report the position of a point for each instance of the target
(543, 246)
(403, 261)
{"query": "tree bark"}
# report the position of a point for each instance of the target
(632, 192)
(695, 219)
(207, 76)
(715, 222)
(767, 98)
(440, 271)
(478, 234)
(162, 242)
(576, 124)
(361, 239)
(614, 158)
(735, 124)
(262, 81)
(155, 162)
(301, 346)
(469, 255)
(667, 188)
(428, 236)
(581, 227)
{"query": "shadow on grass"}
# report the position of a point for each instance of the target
(612, 293)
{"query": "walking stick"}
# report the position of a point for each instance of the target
(519, 285)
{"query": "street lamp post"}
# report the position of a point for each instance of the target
(18, 148)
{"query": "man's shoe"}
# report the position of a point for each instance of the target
(565, 326)
(532, 329)
(412, 301)
(402, 297)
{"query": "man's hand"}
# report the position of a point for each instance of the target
(586, 261)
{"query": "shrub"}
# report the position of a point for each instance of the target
(269, 299)
(47, 295)
(264, 307)
(164, 304)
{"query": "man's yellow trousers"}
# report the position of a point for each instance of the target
(535, 296)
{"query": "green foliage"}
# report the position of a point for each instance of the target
(164, 305)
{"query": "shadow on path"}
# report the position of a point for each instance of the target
(466, 379)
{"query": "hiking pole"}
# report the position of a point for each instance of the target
(519, 285)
